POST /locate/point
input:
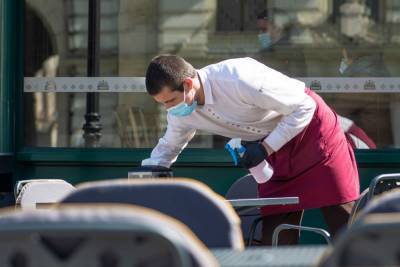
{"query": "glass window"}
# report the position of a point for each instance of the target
(238, 15)
(352, 45)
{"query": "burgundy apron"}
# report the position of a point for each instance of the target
(317, 165)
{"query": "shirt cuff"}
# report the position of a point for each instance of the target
(151, 161)
(275, 140)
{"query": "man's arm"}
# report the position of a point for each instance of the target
(170, 145)
(268, 148)
(265, 88)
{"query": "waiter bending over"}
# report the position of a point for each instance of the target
(281, 120)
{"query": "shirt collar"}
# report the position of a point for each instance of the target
(208, 97)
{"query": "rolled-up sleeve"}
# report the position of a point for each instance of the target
(268, 89)
(175, 139)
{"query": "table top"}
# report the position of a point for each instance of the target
(247, 204)
(284, 256)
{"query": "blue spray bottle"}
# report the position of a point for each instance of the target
(261, 173)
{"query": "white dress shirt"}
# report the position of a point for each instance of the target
(243, 99)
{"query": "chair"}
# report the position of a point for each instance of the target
(380, 184)
(372, 241)
(388, 202)
(101, 236)
(383, 183)
(360, 203)
(246, 187)
(31, 194)
(210, 218)
(20, 184)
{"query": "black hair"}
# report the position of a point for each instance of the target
(168, 70)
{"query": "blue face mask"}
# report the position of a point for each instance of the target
(182, 109)
(265, 40)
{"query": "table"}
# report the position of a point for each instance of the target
(284, 256)
(245, 205)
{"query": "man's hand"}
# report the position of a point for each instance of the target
(255, 153)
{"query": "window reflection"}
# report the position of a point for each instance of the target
(302, 38)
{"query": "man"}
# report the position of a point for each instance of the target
(269, 33)
(281, 121)
(271, 38)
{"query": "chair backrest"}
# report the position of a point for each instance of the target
(21, 183)
(360, 203)
(93, 235)
(39, 193)
(246, 187)
(372, 241)
(383, 183)
(380, 184)
(388, 202)
(207, 214)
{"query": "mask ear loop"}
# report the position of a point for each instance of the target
(184, 92)
(184, 96)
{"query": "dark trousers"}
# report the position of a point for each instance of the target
(335, 217)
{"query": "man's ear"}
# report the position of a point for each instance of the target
(187, 84)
